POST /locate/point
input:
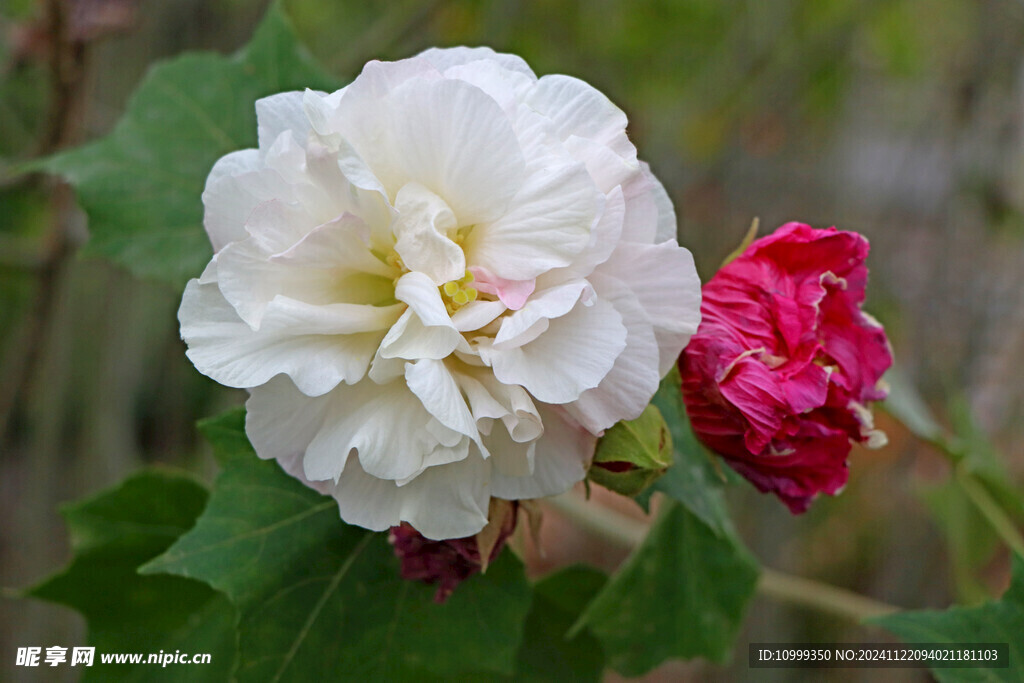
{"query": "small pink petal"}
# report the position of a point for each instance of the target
(512, 293)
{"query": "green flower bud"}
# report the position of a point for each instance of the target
(632, 455)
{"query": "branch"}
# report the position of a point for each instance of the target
(67, 78)
(627, 533)
(957, 453)
(990, 510)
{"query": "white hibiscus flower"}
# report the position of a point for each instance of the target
(439, 284)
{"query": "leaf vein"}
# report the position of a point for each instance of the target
(331, 587)
(263, 531)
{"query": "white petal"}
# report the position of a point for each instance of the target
(607, 169)
(289, 316)
(477, 314)
(249, 280)
(489, 398)
(444, 436)
(550, 303)
(445, 58)
(579, 109)
(321, 110)
(422, 226)
(603, 239)
(441, 455)
(484, 407)
(410, 339)
(234, 164)
(279, 224)
(434, 385)
(345, 185)
(574, 354)
(425, 330)
(287, 157)
(317, 346)
(546, 225)
(561, 460)
(447, 135)
(280, 422)
(665, 282)
(341, 244)
(384, 370)
(449, 501)
(323, 114)
(279, 113)
(644, 212)
(510, 458)
(228, 202)
(209, 274)
(667, 227)
(332, 263)
(505, 86)
(367, 501)
(627, 389)
(378, 79)
(423, 297)
(386, 425)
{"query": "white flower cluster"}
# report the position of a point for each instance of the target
(439, 284)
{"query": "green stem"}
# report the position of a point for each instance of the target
(626, 533)
(955, 452)
(990, 510)
(820, 596)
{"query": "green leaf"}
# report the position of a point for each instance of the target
(995, 622)
(226, 433)
(547, 654)
(141, 186)
(682, 593)
(692, 480)
(321, 600)
(111, 535)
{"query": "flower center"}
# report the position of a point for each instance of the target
(458, 293)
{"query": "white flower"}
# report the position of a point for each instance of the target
(439, 284)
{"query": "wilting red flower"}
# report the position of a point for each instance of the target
(449, 563)
(779, 375)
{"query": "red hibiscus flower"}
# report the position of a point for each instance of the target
(779, 376)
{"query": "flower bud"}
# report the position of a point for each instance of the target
(633, 454)
(449, 563)
(778, 378)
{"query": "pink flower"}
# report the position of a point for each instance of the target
(778, 378)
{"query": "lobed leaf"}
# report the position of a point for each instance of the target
(319, 599)
(141, 185)
(111, 535)
(995, 622)
(547, 653)
(682, 593)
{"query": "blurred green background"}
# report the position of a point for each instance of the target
(901, 119)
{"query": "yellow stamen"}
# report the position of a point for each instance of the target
(451, 287)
